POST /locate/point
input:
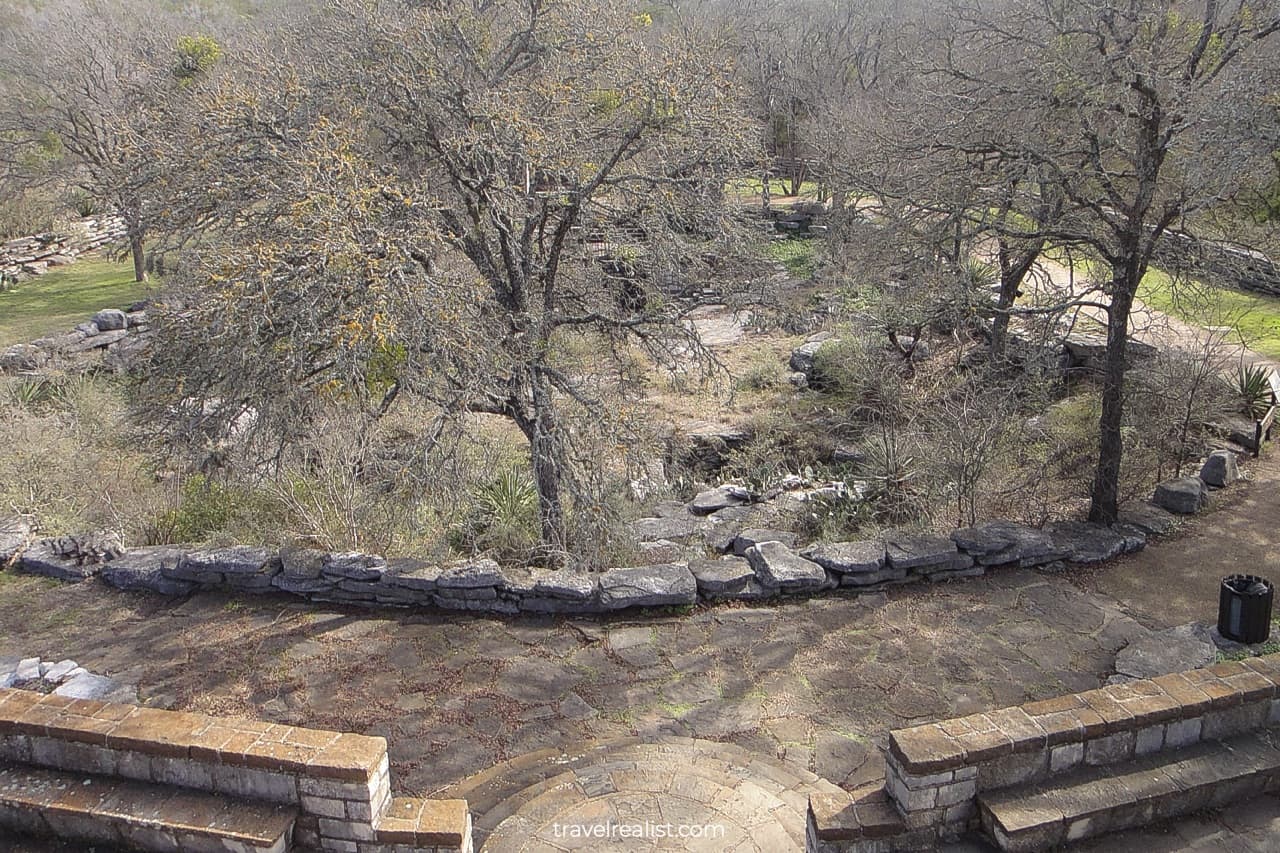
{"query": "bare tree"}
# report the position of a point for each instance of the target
(1108, 124)
(487, 207)
(86, 91)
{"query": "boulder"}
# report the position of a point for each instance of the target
(147, 569)
(1220, 469)
(778, 567)
(864, 557)
(1186, 495)
(804, 358)
(110, 320)
(721, 497)
(1082, 542)
(1150, 519)
(756, 535)
(724, 577)
(648, 586)
(23, 357)
(1004, 543)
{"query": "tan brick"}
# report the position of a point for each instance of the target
(926, 749)
(1024, 732)
(1191, 700)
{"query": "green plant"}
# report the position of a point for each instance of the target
(1253, 385)
(504, 518)
(204, 507)
(32, 393)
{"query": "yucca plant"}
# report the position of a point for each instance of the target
(1253, 385)
(29, 393)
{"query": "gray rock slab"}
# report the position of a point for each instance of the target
(1002, 543)
(568, 585)
(90, 686)
(1171, 650)
(722, 577)
(299, 563)
(721, 497)
(778, 567)
(755, 535)
(471, 575)
(148, 569)
(237, 560)
(652, 529)
(27, 669)
(1083, 542)
(355, 566)
(41, 559)
(1149, 518)
(862, 557)
(411, 574)
(1220, 469)
(60, 670)
(646, 586)
(15, 533)
(1185, 495)
(919, 551)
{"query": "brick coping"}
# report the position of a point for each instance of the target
(178, 734)
(1036, 726)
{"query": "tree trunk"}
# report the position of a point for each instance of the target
(1105, 495)
(138, 252)
(548, 470)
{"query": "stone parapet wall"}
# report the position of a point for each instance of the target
(339, 782)
(935, 772)
(25, 257)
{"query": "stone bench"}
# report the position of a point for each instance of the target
(338, 783)
(140, 816)
(1156, 787)
(936, 773)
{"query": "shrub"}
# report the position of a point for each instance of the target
(1253, 386)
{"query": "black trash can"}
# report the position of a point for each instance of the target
(1244, 609)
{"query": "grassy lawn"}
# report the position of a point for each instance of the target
(751, 187)
(1257, 317)
(797, 254)
(60, 300)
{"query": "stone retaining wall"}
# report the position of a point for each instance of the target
(339, 782)
(110, 339)
(25, 257)
(935, 772)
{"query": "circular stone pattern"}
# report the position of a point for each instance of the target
(629, 795)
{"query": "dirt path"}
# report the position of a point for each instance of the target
(1176, 581)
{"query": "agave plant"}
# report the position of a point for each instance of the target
(1253, 384)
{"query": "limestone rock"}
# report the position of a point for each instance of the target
(110, 320)
(147, 569)
(567, 585)
(1149, 518)
(1186, 495)
(355, 566)
(15, 533)
(42, 559)
(804, 357)
(410, 574)
(924, 553)
(756, 535)
(474, 575)
(1082, 542)
(863, 557)
(721, 497)
(723, 577)
(778, 567)
(218, 563)
(1220, 469)
(653, 529)
(648, 586)
(1003, 543)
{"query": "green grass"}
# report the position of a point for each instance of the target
(1254, 316)
(751, 187)
(60, 300)
(797, 254)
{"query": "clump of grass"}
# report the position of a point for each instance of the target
(797, 254)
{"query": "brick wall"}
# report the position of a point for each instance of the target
(339, 782)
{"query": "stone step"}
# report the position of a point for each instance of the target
(1155, 787)
(136, 815)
